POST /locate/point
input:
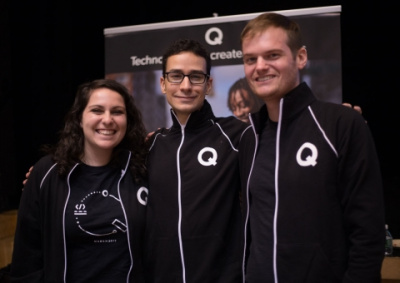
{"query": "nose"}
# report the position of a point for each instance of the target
(185, 83)
(107, 118)
(238, 112)
(261, 63)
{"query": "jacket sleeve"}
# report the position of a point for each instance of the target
(361, 191)
(27, 259)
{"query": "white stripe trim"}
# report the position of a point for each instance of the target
(277, 148)
(322, 131)
(222, 131)
(180, 206)
(47, 173)
(63, 221)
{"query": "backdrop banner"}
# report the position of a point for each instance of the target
(133, 56)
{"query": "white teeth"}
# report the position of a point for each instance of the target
(265, 78)
(105, 132)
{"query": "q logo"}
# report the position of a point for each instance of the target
(310, 159)
(211, 161)
(217, 40)
(142, 199)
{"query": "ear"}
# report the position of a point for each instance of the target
(162, 85)
(302, 58)
(209, 85)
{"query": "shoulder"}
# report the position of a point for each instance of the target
(153, 136)
(45, 163)
(330, 108)
(332, 112)
(231, 123)
(43, 168)
(341, 123)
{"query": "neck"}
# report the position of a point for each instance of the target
(96, 159)
(182, 118)
(273, 110)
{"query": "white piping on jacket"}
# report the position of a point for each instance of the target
(248, 203)
(63, 221)
(180, 205)
(126, 218)
(277, 148)
(322, 131)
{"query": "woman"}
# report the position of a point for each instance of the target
(82, 212)
(242, 101)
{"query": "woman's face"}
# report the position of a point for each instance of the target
(104, 121)
(241, 104)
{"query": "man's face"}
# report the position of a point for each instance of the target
(185, 97)
(269, 65)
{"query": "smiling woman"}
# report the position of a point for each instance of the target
(92, 185)
(104, 126)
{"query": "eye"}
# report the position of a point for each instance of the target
(242, 105)
(96, 110)
(196, 76)
(273, 56)
(118, 112)
(249, 60)
(176, 76)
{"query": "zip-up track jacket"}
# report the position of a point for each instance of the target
(329, 211)
(39, 253)
(194, 217)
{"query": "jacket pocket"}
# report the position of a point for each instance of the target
(304, 263)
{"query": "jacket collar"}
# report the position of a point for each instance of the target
(197, 118)
(294, 102)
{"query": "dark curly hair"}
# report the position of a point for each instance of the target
(70, 147)
(253, 100)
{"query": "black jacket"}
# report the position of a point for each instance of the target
(194, 220)
(329, 198)
(39, 253)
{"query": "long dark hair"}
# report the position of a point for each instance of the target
(70, 146)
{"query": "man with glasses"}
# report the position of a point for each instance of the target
(193, 218)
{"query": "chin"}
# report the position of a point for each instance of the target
(108, 146)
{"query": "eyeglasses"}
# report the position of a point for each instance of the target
(194, 78)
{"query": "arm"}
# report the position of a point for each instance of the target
(27, 176)
(363, 205)
(27, 260)
(149, 135)
(355, 107)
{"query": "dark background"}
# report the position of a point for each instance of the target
(48, 48)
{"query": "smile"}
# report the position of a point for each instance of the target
(106, 132)
(266, 78)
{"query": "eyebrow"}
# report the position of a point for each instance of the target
(102, 106)
(190, 72)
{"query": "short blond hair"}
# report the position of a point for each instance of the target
(266, 20)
